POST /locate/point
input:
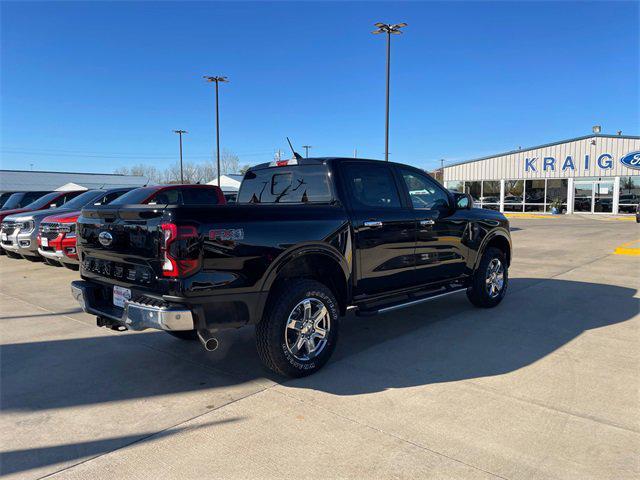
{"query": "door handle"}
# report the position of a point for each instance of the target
(373, 223)
(426, 223)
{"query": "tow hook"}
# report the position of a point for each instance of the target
(209, 342)
(108, 323)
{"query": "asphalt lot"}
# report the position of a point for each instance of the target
(544, 386)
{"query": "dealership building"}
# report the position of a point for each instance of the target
(596, 173)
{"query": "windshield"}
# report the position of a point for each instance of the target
(43, 200)
(134, 197)
(293, 184)
(4, 197)
(83, 199)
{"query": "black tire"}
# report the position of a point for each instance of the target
(53, 263)
(478, 292)
(13, 255)
(184, 334)
(273, 335)
(72, 266)
(32, 258)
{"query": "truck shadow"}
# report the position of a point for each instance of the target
(448, 341)
(441, 341)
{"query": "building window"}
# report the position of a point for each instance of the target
(475, 190)
(455, 185)
(629, 196)
(534, 196)
(556, 192)
(513, 195)
(490, 194)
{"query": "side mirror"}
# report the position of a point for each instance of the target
(464, 201)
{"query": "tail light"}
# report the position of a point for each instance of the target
(178, 260)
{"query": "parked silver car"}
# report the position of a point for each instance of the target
(19, 232)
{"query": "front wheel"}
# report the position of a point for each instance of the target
(490, 281)
(299, 329)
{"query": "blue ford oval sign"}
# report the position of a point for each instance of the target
(631, 160)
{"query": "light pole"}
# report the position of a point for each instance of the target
(389, 30)
(180, 132)
(217, 80)
(306, 150)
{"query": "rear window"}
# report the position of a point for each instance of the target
(295, 184)
(199, 196)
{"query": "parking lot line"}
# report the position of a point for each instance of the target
(629, 218)
(625, 249)
(529, 215)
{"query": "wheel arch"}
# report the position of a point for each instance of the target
(318, 262)
(496, 239)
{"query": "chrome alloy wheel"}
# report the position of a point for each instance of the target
(495, 278)
(307, 329)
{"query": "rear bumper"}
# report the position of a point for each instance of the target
(134, 316)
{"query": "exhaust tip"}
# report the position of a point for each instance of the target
(209, 342)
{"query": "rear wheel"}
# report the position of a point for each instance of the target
(490, 281)
(299, 330)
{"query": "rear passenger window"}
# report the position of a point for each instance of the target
(199, 196)
(371, 186)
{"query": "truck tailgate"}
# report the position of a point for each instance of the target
(121, 245)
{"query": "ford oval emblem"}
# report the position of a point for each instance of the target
(631, 160)
(105, 239)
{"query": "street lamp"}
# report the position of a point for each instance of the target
(180, 132)
(389, 29)
(306, 150)
(217, 80)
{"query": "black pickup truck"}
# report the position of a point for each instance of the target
(307, 240)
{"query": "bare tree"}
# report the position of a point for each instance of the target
(244, 168)
(229, 162)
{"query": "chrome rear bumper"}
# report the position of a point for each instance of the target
(134, 316)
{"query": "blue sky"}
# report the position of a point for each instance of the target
(93, 86)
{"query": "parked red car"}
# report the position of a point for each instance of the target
(57, 237)
(57, 240)
(173, 195)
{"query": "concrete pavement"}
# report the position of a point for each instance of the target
(544, 386)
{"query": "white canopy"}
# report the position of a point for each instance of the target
(68, 187)
(228, 183)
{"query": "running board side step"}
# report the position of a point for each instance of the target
(397, 306)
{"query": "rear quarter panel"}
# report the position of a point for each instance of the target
(243, 245)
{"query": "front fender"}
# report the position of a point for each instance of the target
(491, 235)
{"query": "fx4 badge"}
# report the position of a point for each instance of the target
(226, 234)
